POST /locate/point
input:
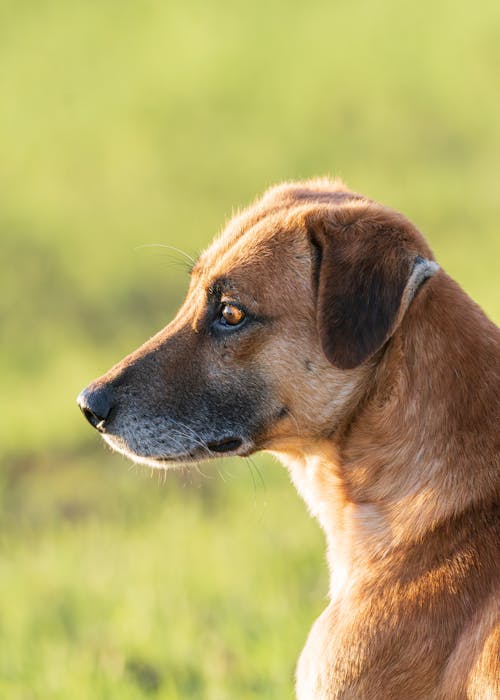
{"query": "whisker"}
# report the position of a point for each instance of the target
(189, 433)
(188, 257)
(171, 262)
(221, 474)
(248, 462)
(198, 470)
(261, 478)
(226, 474)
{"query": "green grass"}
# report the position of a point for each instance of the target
(123, 587)
(124, 124)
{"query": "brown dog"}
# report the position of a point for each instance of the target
(318, 327)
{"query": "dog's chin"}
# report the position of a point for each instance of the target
(227, 447)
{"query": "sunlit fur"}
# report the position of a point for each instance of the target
(389, 428)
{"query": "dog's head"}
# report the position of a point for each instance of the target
(285, 316)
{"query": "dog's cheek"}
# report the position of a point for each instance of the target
(223, 387)
(242, 403)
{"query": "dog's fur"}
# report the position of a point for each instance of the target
(375, 379)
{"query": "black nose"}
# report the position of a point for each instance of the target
(96, 404)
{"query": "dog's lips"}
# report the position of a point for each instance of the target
(228, 445)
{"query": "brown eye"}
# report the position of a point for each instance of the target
(232, 315)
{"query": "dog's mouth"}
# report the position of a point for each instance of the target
(230, 445)
(225, 446)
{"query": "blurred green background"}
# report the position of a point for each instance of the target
(132, 123)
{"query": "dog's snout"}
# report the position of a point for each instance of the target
(96, 403)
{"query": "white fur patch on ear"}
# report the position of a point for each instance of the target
(422, 270)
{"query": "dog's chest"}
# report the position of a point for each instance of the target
(349, 657)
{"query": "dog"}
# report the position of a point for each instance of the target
(319, 327)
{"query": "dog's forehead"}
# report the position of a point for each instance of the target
(270, 238)
(272, 241)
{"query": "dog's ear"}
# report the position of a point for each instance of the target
(366, 270)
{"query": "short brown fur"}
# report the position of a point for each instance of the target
(381, 388)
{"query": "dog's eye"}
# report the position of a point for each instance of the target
(231, 315)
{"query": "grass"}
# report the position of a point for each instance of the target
(126, 588)
(125, 124)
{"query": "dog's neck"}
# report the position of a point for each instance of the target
(399, 468)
